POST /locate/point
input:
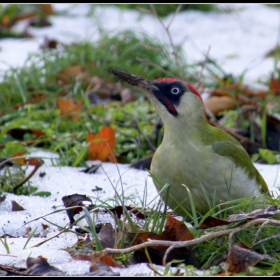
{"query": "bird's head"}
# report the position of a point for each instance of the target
(173, 98)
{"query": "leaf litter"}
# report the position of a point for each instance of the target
(235, 250)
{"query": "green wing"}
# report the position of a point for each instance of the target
(234, 150)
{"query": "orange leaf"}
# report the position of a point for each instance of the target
(19, 160)
(67, 75)
(47, 9)
(102, 145)
(70, 108)
(275, 85)
(176, 230)
(219, 103)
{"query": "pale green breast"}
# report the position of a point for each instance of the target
(211, 171)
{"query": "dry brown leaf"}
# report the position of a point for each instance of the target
(18, 133)
(40, 267)
(275, 85)
(102, 145)
(32, 101)
(67, 75)
(16, 206)
(97, 258)
(70, 108)
(176, 230)
(47, 9)
(74, 200)
(119, 210)
(240, 257)
(217, 104)
(19, 160)
(107, 236)
(210, 222)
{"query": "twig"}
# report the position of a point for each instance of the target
(40, 163)
(276, 236)
(166, 28)
(199, 82)
(176, 12)
(154, 270)
(4, 255)
(166, 254)
(41, 243)
(258, 232)
(147, 61)
(189, 243)
(147, 139)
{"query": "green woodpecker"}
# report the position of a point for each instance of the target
(194, 156)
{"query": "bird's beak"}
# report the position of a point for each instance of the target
(134, 80)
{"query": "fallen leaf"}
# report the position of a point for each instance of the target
(217, 104)
(107, 236)
(16, 206)
(143, 164)
(2, 198)
(118, 210)
(68, 75)
(102, 145)
(91, 169)
(49, 43)
(98, 260)
(19, 160)
(210, 222)
(74, 200)
(18, 133)
(40, 266)
(8, 22)
(27, 231)
(69, 108)
(47, 9)
(275, 85)
(31, 101)
(240, 257)
(176, 230)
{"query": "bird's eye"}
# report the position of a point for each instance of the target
(175, 90)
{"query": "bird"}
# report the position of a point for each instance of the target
(203, 165)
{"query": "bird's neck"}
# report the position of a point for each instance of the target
(183, 129)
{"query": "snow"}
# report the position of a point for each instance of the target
(238, 41)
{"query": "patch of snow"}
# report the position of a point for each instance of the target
(245, 35)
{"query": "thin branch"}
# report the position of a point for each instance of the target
(166, 254)
(40, 163)
(154, 270)
(147, 61)
(276, 236)
(189, 243)
(259, 232)
(199, 82)
(166, 28)
(174, 14)
(147, 139)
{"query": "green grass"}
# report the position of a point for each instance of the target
(134, 123)
(167, 9)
